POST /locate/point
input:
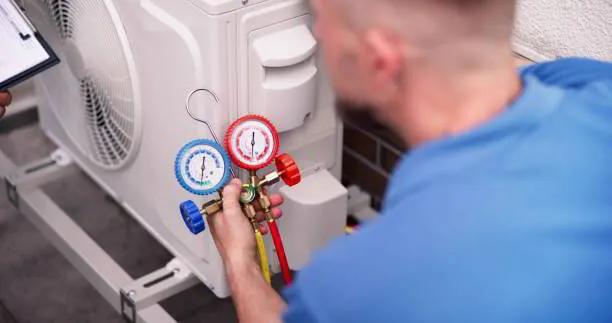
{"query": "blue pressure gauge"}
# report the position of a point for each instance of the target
(202, 167)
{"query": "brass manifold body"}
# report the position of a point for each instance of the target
(252, 192)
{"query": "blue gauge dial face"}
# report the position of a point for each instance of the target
(202, 167)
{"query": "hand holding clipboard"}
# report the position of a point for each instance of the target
(5, 100)
(23, 53)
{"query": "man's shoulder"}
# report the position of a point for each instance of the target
(585, 86)
(571, 73)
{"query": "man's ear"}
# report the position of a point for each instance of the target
(386, 53)
(385, 60)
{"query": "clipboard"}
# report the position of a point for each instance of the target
(24, 53)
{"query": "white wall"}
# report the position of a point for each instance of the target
(547, 29)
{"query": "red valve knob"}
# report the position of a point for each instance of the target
(289, 170)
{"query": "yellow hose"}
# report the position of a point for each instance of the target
(263, 256)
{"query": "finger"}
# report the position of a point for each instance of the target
(231, 197)
(235, 181)
(275, 200)
(5, 98)
(276, 213)
(2, 111)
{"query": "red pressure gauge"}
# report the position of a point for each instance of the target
(252, 142)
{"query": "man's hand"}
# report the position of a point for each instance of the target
(254, 298)
(232, 231)
(5, 100)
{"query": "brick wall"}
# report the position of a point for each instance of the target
(371, 152)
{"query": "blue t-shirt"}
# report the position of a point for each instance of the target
(509, 222)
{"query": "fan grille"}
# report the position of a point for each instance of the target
(96, 57)
(60, 11)
(106, 125)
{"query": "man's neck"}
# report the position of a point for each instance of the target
(439, 106)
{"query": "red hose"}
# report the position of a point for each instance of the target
(280, 250)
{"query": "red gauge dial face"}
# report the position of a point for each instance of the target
(252, 142)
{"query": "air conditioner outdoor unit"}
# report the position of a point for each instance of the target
(116, 105)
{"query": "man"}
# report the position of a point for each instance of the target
(5, 100)
(502, 212)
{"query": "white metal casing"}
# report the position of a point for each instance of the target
(178, 46)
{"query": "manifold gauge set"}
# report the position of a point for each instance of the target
(204, 167)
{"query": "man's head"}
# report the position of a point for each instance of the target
(374, 49)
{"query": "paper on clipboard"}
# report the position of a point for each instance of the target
(23, 53)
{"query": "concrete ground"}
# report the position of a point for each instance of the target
(38, 285)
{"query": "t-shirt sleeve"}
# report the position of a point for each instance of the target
(571, 72)
(297, 310)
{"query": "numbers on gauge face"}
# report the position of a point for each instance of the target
(203, 171)
(202, 167)
(253, 143)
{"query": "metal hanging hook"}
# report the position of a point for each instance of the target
(212, 132)
(187, 107)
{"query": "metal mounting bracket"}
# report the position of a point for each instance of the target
(136, 300)
(38, 173)
(155, 287)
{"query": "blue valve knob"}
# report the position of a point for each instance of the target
(192, 217)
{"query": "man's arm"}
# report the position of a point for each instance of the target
(5, 100)
(254, 298)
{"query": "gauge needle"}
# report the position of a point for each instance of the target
(203, 169)
(252, 145)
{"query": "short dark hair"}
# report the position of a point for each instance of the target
(489, 18)
(486, 16)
